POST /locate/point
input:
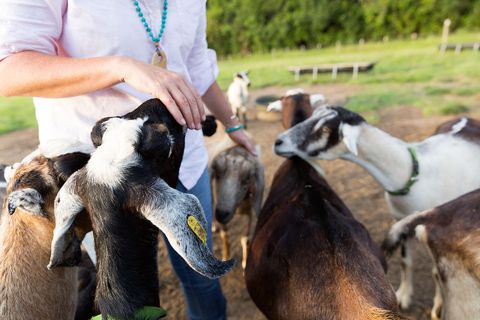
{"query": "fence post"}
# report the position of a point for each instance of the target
(334, 72)
(458, 48)
(297, 74)
(315, 73)
(355, 71)
(476, 46)
(445, 31)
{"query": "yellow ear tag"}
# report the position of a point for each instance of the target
(197, 229)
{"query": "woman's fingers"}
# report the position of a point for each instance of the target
(199, 101)
(189, 95)
(183, 104)
(169, 102)
(241, 138)
(178, 95)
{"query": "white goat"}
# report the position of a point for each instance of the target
(416, 176)
(237, 95)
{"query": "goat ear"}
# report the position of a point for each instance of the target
(209, 126)
(28, 199)
(65, 250)
(350, 137)
(180, 217)
(155, 140)
(97, 132)
(66, 164)
(275, 106)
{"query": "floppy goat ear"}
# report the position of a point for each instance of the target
(180, 217)
(66, 164)
(350, 137)
(28, 199)
(66, 249)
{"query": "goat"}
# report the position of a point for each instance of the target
(416, 176)
(309, 257)
(451, 233)
(316, 100)
(238, 177)
(126, 188)
(28, 290)
(237, 95)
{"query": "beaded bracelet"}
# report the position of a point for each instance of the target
(234, 128)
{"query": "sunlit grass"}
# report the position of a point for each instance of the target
(16, 113)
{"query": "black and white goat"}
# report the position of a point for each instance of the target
(416, 176)
(451, 233)
(237, 95)
(309, 257)
(126, 188)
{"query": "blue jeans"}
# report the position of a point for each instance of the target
(204, 297)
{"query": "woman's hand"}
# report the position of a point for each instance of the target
(178, 95)
(242, 139)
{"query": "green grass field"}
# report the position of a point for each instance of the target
(408, 72)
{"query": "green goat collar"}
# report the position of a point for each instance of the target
(145, 313)
(413, 177)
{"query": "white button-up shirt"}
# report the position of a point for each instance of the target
(95, 28)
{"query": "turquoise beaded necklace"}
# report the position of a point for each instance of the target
(159, 57)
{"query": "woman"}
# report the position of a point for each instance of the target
(86, 59)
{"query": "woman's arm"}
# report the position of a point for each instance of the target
(218, 105)
(36, 74)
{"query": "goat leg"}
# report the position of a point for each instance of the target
(225, 245)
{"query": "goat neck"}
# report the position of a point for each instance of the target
(385, 157)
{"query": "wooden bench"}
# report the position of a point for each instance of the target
(334, 68)
(458, 47)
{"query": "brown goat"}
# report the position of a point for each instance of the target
(295, 108)
(28, 290)
(309, 257)
(238, 177)
(451, 233)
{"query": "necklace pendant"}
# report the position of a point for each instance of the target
(159, 59)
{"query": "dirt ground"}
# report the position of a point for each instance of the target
(361, 193)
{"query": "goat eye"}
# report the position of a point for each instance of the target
(326, 130)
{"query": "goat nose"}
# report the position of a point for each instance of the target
(223, 216)
(278, 142)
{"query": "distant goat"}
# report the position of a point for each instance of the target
(28, 290)
(309, 257)
(238, 177)
(316, 100)
(451, 233)
(416, 176)
(237, 95)
(126, 187)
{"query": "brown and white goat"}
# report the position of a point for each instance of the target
(416, 176)
(28, 290)
(309, 257)
(451, 233)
